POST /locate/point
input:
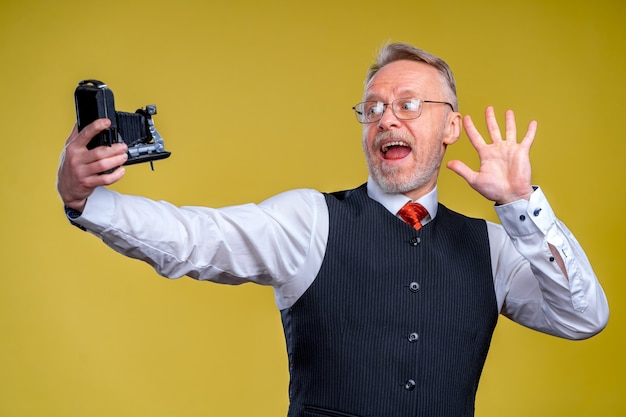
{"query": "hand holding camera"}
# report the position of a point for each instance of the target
(101, 142)
(94, 100)
(82, 170)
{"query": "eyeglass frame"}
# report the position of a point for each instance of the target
(393, 109)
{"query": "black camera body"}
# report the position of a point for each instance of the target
(94, 100)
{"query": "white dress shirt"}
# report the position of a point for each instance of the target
(281, 242)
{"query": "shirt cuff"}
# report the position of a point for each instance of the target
(525, 217)
(72, 215)
(98, 211)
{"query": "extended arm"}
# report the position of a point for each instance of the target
(268, 243)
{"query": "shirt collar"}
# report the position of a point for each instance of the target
(394, 202)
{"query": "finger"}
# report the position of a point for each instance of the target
(84, 136)
(104, 152)
(492, 124)
(98, 165)
(472, 133)
(460, 168)
(113, 177)
(529, 138)
(511, 129)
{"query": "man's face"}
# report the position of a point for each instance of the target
(404, 156)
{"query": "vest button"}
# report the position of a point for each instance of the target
(414, 287)
(409, 385)
(415, 240)
(413, 337)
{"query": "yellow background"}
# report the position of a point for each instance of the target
(254, 98)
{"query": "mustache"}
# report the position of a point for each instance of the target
(385, 136)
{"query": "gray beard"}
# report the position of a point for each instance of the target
(387, 177)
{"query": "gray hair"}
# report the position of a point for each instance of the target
(391, 52)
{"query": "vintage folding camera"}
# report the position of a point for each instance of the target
(94, 100)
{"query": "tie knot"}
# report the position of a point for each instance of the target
(413, 214)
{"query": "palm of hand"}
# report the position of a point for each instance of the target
(504, 174)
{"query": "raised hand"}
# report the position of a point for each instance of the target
(80, 168)
(504, 175)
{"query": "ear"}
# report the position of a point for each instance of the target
(453, 128)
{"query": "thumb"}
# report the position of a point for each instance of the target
(461, 169)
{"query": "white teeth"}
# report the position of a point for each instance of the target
(386, 146)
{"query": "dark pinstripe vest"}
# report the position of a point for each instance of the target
(397, 322)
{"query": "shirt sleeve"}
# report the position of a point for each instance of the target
(530, 286)
(268, 243)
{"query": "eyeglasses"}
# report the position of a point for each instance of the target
(403, 109)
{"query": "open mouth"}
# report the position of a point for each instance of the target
(395, 150)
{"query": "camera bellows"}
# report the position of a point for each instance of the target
(94, 100)
(130, 126)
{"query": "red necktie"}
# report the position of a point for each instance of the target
(413, 214)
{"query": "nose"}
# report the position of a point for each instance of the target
(388, 119)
